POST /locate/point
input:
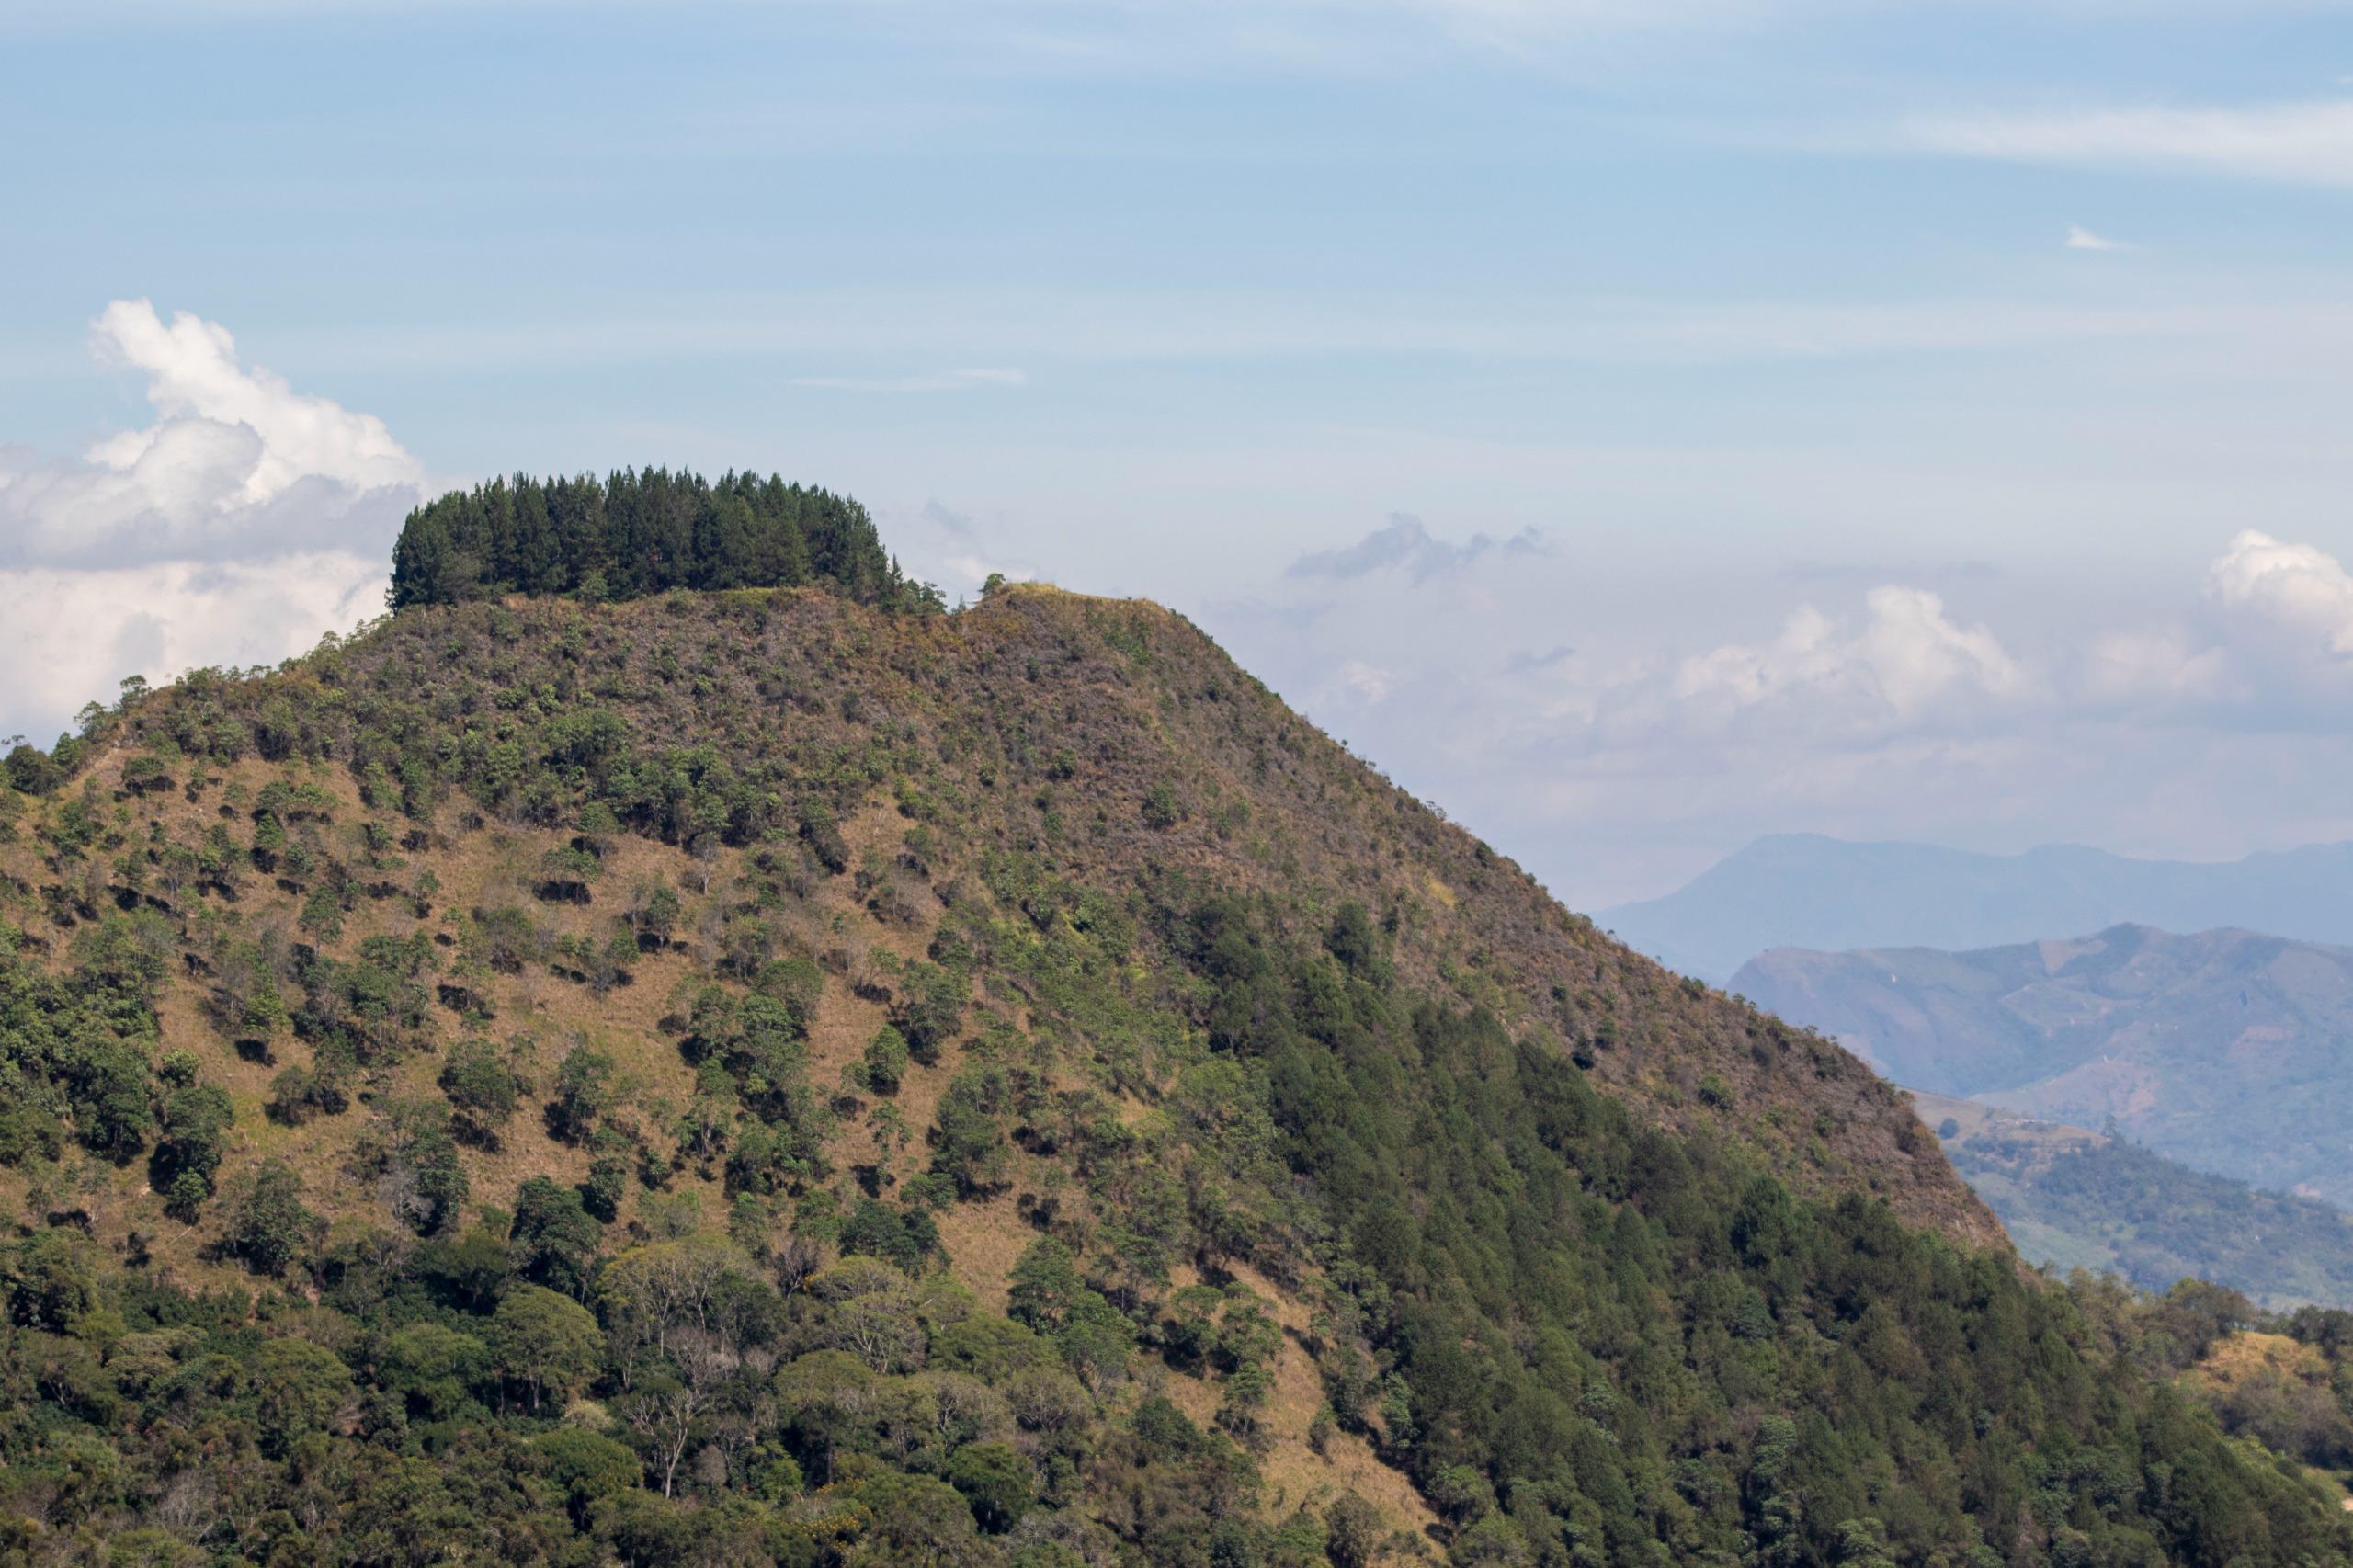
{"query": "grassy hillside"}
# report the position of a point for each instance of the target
(2226, 1050)
(2073, 1198)
(748, 1075)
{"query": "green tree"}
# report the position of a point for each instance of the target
(587, 1467)
(554, 1238)
(931, 1008)
(886, 1061)
(298, 1388)
(196, 1119)
(1352, 1532)
(473, 1267)
(434, 1368)
(1044, 1284)
(607, 1185)
(545, 1342)
(51, 1280)
(267, 1225)
(479, 1085)
(583, 1092)
(968, 1138)
(996, 1483)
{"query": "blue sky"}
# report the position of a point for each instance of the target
(1850, 494)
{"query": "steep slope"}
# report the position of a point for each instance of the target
(2225, 1050)
(1805, 890)
(2070, 1198)
(740, 1076)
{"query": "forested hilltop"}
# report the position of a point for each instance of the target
(644, 531)
(751, 1075)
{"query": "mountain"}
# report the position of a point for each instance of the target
(2070, 1198)
(1803, 891)
(2226, 1050)
(789, 1075)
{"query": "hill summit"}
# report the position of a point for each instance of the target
(789, 1075)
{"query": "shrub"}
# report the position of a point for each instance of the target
(886, 1059)
(583, 1092)
(479, 1083)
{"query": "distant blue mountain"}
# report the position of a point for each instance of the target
(1805, 890)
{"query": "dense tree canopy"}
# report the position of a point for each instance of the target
(643, 531)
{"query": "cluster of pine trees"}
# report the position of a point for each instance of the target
(644, 531)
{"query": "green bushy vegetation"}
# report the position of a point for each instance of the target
(1605, 1343)
(2284, 1379)
(745, 1077)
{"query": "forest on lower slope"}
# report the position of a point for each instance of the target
(746, 1076)
(2072, 1197)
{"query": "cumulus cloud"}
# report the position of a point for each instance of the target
(76, 634)
(236, 464)
(2080, 238)
(2297, 588)
(1611, 732)
(2161, 668)
(247, 519)
(1905, 657)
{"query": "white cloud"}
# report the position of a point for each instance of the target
(70, 637)
(193, 373)
(236, 463)
(239, 526)
(935, 382)
(2080, 238)
(2307, 142)
(1368, 682)
(982, 324)
(1905, 658)
(2296, 586)
(2140, 714)
(2160, 668)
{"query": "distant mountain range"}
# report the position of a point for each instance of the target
(2229, 1051)
(1804, 890)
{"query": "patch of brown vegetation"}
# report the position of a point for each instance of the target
(1296, 1476)
(2248, 1355)
(984, 1239)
